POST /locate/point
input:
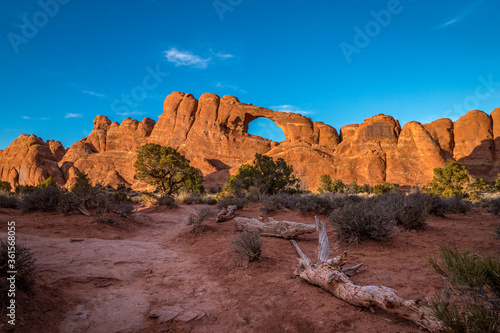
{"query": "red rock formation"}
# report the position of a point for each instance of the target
(29, 161)
(474, 145)
(213, 133)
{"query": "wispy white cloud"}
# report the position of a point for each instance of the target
(93, 93)
(186, 58)
(291, 108)
(73, 115)
(30, 118)
(224, 55)
(227, 86)
(460, 16)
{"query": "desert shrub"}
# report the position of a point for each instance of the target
(167, 169)
(9, 201)
(68, 202)
(280, 201)
(247, 246)
(5, 186)
(457, 204)
(329, 185)
(364, 220)
(352, 188)
(82, 186)
(167, 201)
(123, 208)
(320, 204)
(187, 198)
(410, 211)
(264, 176)
(450, 180)
(386, 188)
(47, 182)
(494, 205)
(196, 219)
(240, 203)
(108, 220)
(45, 199)
(24, 266)
(474, 281)
(436, 205)
(24, 189)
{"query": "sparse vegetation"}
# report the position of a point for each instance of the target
(472, 302)
(188, 198)
(494, 205)
(457, 205)
(166, 201)
(25, 268)
(240, 203)
(386, 188)
(364, 220)
(45, 199)
(329, 185)
(264, 176)
(167, 169)
(196, 219)
(5, 187)
(9, 201)
(411, 210)
(108, 220)
(450, 180)
(247, 246)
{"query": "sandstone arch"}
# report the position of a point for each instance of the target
(266, 128)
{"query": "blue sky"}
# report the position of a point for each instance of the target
(65, 61)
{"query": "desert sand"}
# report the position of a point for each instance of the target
(152, 274)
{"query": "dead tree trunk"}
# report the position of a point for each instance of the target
(273, 228)
(329, 275)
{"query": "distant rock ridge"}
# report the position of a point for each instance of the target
(213, 133)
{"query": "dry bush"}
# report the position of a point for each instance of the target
(196, 219)
(108, 220)
(363, 220)
(278, 202)
(473, 305)
(68, 202)
(240, 203)
(25, 268)
(166, 201)
(247, 246)
(457, 204)
(494, 205)
(186, 198)
(410, 211)
(9, 201)
(45, 199)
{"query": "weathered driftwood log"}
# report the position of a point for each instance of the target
(225, 214)
(329, 275)
(273, 228)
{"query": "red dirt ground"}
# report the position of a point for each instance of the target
(153, 275)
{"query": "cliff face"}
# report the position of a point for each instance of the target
(213, 133)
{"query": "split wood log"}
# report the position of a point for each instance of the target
(273, 228)
(329, 275)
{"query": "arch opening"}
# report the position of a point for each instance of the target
(267, 129)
